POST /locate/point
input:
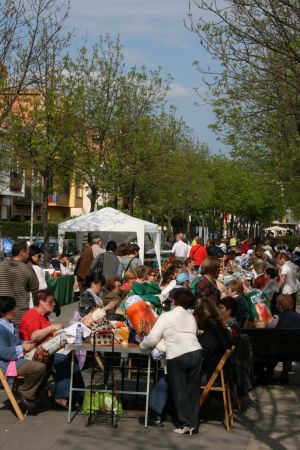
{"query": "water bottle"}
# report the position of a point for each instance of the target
(78, 338)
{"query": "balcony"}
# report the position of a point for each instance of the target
(59, 200)
(26, 199)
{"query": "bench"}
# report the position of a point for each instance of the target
(273, 344)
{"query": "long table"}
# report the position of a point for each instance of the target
(128, 349)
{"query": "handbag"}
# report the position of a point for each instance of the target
(41, 355)
(102, 339)
(43, 352)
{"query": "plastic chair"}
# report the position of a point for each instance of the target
(218, 375)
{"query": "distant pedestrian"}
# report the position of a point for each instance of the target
(180, 249)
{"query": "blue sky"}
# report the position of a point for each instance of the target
(153, 34)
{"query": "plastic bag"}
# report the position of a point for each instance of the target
(263, 312)
(101, 402)
(140, 314)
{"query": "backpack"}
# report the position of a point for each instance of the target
(97, 265)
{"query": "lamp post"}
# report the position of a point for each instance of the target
(1, 245)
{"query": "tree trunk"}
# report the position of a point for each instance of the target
(115, 202)
(221, 218)
(46, 188)
(93, 198)
(231, 224)
(169, 229)
(131, 198)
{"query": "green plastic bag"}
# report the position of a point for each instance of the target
(192, 285)
(101, 402)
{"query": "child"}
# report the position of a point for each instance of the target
(235, 290)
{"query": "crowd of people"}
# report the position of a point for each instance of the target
(201, 302)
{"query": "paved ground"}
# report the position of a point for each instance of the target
(272, 422)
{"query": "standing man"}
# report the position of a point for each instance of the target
(97, 245)
(180, 249)
(111, 263)
(107, 264)
(198, 253)
(17, 279)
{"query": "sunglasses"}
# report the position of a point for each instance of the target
(51, 302)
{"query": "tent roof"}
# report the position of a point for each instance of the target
(107, 219)
(275, 228)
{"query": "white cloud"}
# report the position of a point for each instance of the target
(178, 91)
(160, 20)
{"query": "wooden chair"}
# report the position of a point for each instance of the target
(224, 388)
(11, 396)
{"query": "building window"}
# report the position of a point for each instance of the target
(4, 213)
(16, 182)
(79, 192)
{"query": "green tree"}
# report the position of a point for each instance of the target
(111, 103)
(42, 125)
(181, 185)
(255, 95)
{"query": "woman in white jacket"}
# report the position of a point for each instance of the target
(178, 328)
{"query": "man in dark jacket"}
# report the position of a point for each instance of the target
(107, 264)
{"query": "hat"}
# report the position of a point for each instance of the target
(96, 236)
(183, 277)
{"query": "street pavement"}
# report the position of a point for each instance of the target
(271, 422)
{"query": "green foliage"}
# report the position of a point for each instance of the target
(255, 95)
(114, 107)
(15, 229)
(291, 241)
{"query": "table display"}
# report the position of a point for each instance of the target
(121, 349)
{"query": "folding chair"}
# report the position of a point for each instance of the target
(11, 396)
(224, 388)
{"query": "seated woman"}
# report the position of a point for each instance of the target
(12, 348)
(213, 335)
(152, 274)
(129, 279)
(228, 308)
(35, 325)
(287, 318)
(112, 296)
(92, 296)
(207, 285)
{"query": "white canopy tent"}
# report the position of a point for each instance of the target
(114, 225)
(276, 229)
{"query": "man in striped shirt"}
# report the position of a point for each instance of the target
(17, 279)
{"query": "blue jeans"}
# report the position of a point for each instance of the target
(159, 395)
(62, 367)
